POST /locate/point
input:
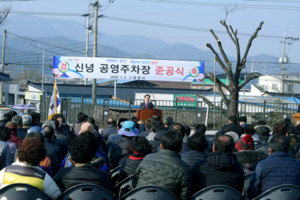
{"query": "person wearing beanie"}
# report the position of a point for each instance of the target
(27, 120)
(14, 135)
(20, 131)
(246, 156)
(245, 143)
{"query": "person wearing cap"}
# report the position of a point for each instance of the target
(14, 135)
(146, 104)
(246, 156)
(20, 131)
(118, 153)
(232, 126)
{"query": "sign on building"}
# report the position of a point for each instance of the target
(185, 100)
(32, 96)
(127, 69)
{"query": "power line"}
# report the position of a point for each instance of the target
(222, 5)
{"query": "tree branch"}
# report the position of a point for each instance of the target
(217, 57)
(251, 77)
(211, 77)
(219, 85)
(226, 26)
(4, 11)
(250, 43)
(220, 47)
(208, 102)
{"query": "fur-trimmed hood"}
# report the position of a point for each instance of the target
(250, 156)
(249, 159)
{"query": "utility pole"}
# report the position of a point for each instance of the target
(214, 91)
(43, 73)
(95, 48)
(2, 66)
(252, 70)
(88, 31)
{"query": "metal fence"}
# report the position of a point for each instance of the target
(188, 113)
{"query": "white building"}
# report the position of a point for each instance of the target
(280, 84)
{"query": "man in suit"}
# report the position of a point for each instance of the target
(146, 104)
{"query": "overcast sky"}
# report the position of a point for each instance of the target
(198, 15)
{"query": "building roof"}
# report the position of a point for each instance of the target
(276, 94)
(4, 77)
(132, 83)
(242, 75)
(258, 87)
(108, 91)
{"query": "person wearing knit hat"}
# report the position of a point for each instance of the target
(14, 135)
(245, 143)
(246, 156)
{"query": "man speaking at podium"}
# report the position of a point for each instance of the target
(146, 104)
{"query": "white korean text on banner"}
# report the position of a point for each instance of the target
(127, 69)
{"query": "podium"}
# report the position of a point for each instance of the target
(297, 118)
(148, 113)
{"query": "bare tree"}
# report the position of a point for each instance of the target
(233, 78)
(4, 11)
(229, 8)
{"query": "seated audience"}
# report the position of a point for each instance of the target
(82, 151)
(50, 144)
(201, 129)
(81, 117)
(26, 122)
(50, 163)
(288, 123)
(155, 117)
(220, 168)
(142, 126)
(168, 121)
(243, 121)
(111, 127)
(93, 122)
(181, 129)
(137, 148)
(14, 134)
(118, 153)
(148, 127)
(26, 169)
(21, 132)
(187, 133)
(234, 136)
(197, 145)
(252, 133)
(165, 168)
(154, 128)
(232, 126)
(262, 130)
(277, 169)
(5, 135)
(246, 156)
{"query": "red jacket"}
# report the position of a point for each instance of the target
(14, 138)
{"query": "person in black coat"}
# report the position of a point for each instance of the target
(221, 167)
(111, 127)
(232, 126)
(197, 145)
(146, 104)
(165, 168)
(82, 150)
(137, 148)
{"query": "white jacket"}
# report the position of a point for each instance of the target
(42, 180)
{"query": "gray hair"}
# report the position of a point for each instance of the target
(27, 119)
(49, 123)
(17, 120)
(234, 135)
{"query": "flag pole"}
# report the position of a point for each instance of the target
(55, 97)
